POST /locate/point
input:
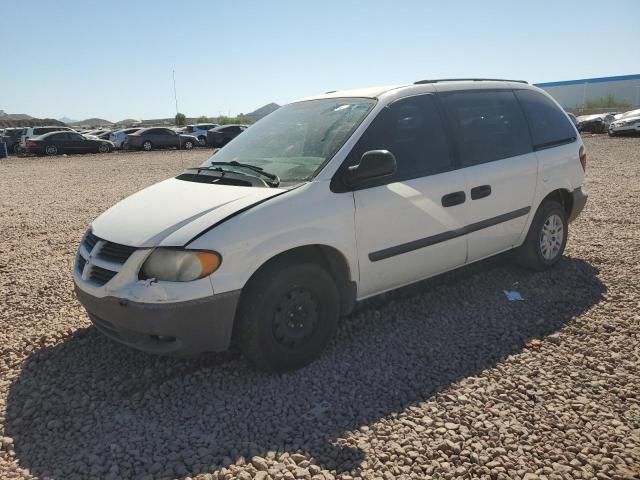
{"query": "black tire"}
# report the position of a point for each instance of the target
(17, 149)
(611, 133)
(51, 150)
(287, 314)
(188, 145)
(147, 146)
(104, 148)
(531, 254)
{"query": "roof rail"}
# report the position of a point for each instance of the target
(420, 82)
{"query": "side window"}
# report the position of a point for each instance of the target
(487, 125)
(412, 130)
(153, 131)
(549, 125)
(75, 136)
(59, 137)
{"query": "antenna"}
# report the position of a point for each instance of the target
(175, 96)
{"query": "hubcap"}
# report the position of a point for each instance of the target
(296, 318)
(51, 150)
(147, 146)
(551, 237)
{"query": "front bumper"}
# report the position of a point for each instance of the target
(181, 328)
(579, 201)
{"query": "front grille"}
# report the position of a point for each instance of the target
(103, 250)
(115, 252)
(101, 275)
(90, 241)
(80, 264)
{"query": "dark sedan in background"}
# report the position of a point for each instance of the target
(220, 136)
(55, 143)
(157, 137)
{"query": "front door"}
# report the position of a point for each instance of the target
(406, 224)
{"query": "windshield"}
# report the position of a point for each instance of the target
(296, 140)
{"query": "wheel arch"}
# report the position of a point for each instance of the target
(563, 197)
(327, 257)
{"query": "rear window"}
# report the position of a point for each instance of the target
(548, 124)
(488, 125)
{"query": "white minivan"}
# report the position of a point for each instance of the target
(327, 201)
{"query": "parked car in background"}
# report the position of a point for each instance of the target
(11, 136)
(220, 136)
(119, 136)
(55, 143)
(159, 137)
(105, 135)
(199, 130)
(628, 122)
(403, 184)
(591, 123)
(37, 131)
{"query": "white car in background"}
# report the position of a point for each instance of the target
(628, 122)
(118, 137)
(200, 130)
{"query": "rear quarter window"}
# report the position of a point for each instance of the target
(548, 124)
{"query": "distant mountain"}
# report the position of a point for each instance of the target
(67, 120)
(91, 122)
(262, 111)
(14, 116)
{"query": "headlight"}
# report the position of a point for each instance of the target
(173, 265)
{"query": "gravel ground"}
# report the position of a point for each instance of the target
(445, 379)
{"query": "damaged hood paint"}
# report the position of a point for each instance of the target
(172, 212)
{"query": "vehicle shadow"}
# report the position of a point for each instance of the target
(91, 407)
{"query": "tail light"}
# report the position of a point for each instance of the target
(583, 158)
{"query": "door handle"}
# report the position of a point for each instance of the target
(480, 192)
(455, 198)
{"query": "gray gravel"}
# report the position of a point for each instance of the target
(445, 379)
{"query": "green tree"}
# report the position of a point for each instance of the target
(203, 119)
(181, 120)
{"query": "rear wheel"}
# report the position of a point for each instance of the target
(546, 239)
(147, 145)
(51, 150)
(287, 315)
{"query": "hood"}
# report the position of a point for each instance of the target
(172, 212)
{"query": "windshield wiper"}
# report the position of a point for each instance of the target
(273, 177)
(272, 180)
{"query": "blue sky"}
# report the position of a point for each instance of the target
(114, 59)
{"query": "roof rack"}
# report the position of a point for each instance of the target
(420, 82)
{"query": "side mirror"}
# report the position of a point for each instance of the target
(373, 164)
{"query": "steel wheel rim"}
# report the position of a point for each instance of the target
(551, 237)
(51, 150)
(147, 145)
(296, 318)
(188, 145)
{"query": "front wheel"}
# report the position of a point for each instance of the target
(188, 145)
(546, 239)
(287, 315)
(202, 141)
(611, 133)
(104, 148)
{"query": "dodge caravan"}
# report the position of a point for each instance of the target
(329, 200)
